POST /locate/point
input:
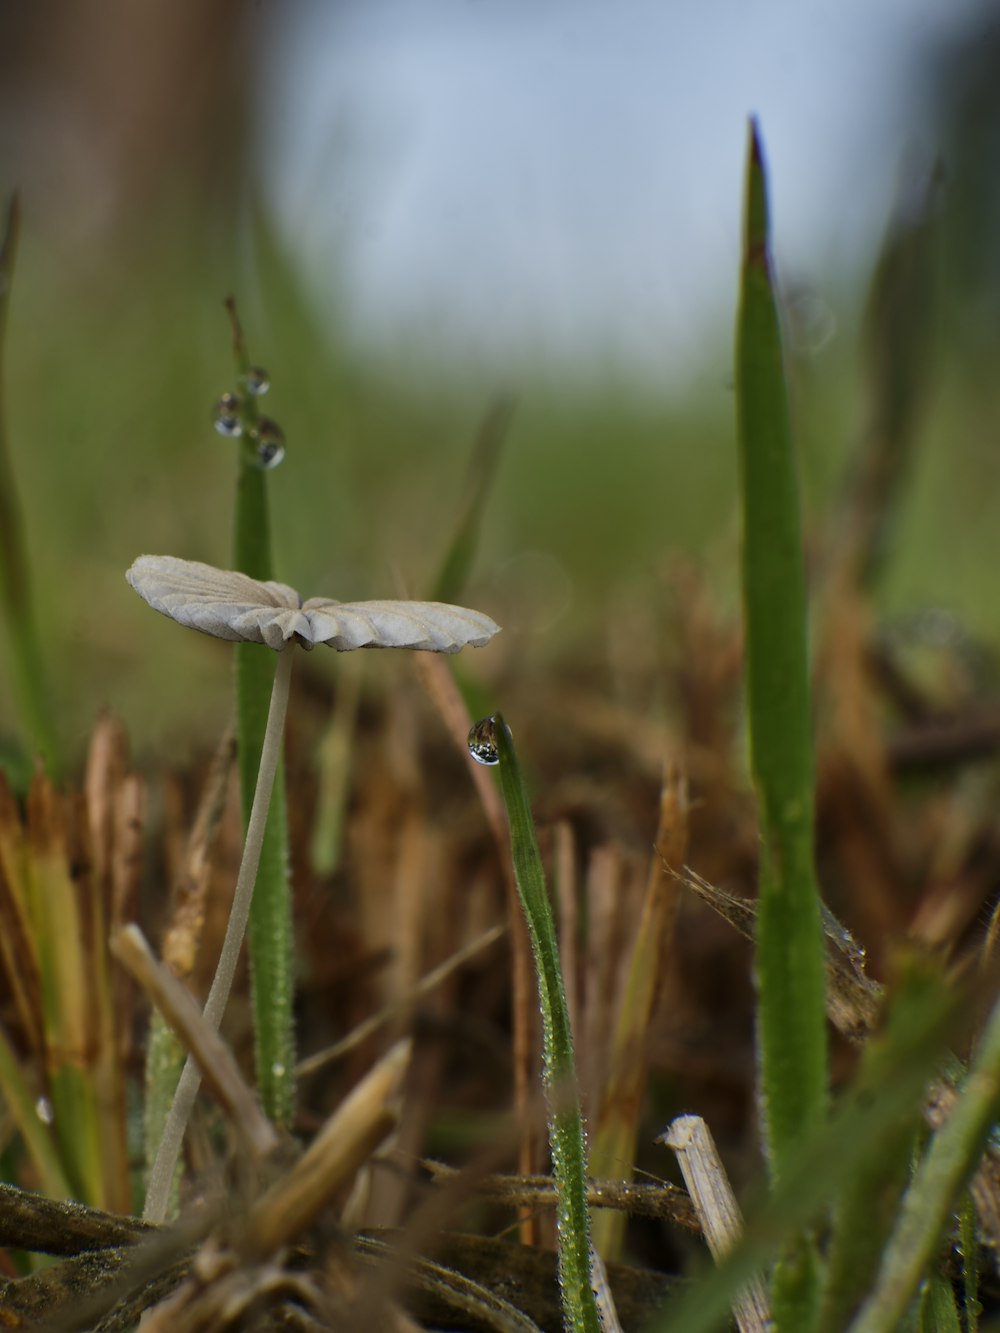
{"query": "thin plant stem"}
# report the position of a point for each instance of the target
(28, 676)
(270, 942)
(567, 1136)
(162, 1173)
(938, 1181)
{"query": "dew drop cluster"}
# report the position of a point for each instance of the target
(235, 417)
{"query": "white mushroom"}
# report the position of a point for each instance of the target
(234, 606)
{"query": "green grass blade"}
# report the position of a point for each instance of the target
(869, 1196)
(567, 1137)
(940, 1313)
(270, 931)
(165, 1058)
(27, 667)
(790, 963)
(864, 1124)
(37, 1135)
(934, 1192)
(461, 552)
(969, 1245)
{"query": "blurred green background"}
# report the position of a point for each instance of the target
(132, 138)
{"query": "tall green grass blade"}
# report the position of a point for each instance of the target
(969, 1243)
(790, 954)
(933, 1195)
(939, 1313)
(864, 1123)
(65, 967)
(868, 1199)
(78, 1131)
(165, 1058)
(27, 665)
(270, 931)
(567, 1137)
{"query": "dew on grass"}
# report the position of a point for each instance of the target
(256, 381)
(843, 939)
(226, 416)
(43, 1109)
(483, 742)
(269, 444)
(278, 1070)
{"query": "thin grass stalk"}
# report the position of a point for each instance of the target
(868, 1197)
(969, 1243)
(718, 1211)
(270, 936)
(933, 1194)
(443, 690)
(67, 957)
(461, 552)
(567, 1136)
(164, 1064)
(864, 1122)
(939, 1310)
(27, 664)
(24, 1109)
(52, 956)
(617, 1135)
(107, 1076)
(790, 952)
(165, 1055)
(162, 1173)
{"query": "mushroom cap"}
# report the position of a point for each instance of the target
(234, 606)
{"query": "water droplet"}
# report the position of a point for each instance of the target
(269, 443)
(43, 1109)
(483, 742)
(278, 1069)
(226, 416)
(256, 381)
(844, 940)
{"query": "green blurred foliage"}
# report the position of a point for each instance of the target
(118, 347)
(112, 381)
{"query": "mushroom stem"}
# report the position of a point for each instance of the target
(162, 1172)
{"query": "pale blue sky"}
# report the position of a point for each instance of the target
(552, 179)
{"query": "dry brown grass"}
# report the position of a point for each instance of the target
(907, 734)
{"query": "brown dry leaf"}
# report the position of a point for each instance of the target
(620, 1108)
(343, 1145)
(858, 834)
(182, 936)
(66, 868)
